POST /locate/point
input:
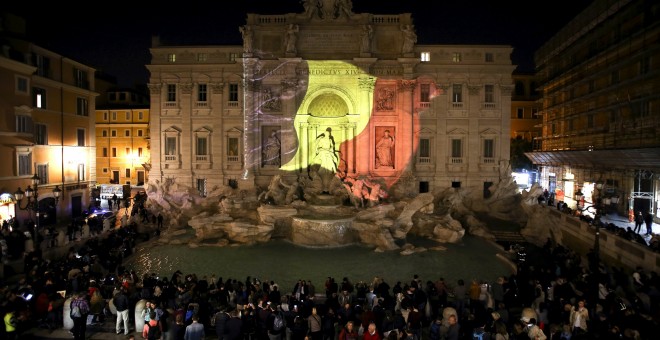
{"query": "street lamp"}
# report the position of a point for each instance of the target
(32, 202)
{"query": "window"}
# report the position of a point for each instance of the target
(201, 186)
(425, 56)
(128, 151)
(24, 163)
(457, 93)
(489, 148)
(171, 57)
(170, 146)
(535, 113)
(455, 184)
(105, 116)
(424, 150)
(40, 134)
(456, 57)
(128, 115)
(81, 172)
(201, 146)
(614, 77)
(233, 92)
(233, 56)
(113, 133)
(23, 124)
(201, 92)
(105, 170)
(232, 149)
(489, 93)
(128, 173)
(171, 92)
(645, 65)
(520, 113)
(127, 133)
(140, 115)
(114, 152)
(202, 56)
(519, 88)
(104, 133)
(81, 137)
(114, 115)
(22, 85)
(139, 133)
(489, 58)
(39, 97)
(42, 172)
(105, 152)
(424, 93)
(139, 152)
(80, 79)
(43, 65)
(82, 107)
(122, 96)
(456, 148)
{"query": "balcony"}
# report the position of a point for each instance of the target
(170, 105)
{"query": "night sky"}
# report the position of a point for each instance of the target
(115, 37)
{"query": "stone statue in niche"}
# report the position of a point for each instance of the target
(271, 150)
(291, 38)
(325, 160)
(367, 35)
(246, 33)
(385, 151)
(409, 38)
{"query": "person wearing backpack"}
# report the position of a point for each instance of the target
(276, 324)
(79, 308)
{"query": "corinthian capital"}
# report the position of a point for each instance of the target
(407, 85)
(154, 88)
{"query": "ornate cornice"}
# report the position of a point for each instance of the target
(217, 87)
(407, 85)
(442, 88)
(154, 88)
(474, 89)
(507, 90)
(367, 83)
(186, 88)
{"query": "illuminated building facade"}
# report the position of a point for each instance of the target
(122, 138)
(46, 126)
(241, 114)
(526, 118)
(600, 79)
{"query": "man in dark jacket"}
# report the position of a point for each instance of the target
(121, 304)
(234, 327)
(221, 318)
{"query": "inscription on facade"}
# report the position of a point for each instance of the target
(329, 41)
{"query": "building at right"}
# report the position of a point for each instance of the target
(599, 80)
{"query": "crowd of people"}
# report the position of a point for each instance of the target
(569, 300)
(554, 294)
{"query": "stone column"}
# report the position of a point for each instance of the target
(250, 136)
(407, 130)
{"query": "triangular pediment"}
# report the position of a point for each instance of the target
(174, 129)
(426, 131)
(489, 132)
(457, 131)
(203, 129)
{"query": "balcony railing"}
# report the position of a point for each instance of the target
(202, 158)
(170, 158)
(424, 160)
(457, 105)
(456, 160)
(170, 105)
(232, 104)
(233, 159)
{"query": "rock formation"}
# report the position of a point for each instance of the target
(287, 208)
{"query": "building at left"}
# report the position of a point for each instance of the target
(47, 147)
